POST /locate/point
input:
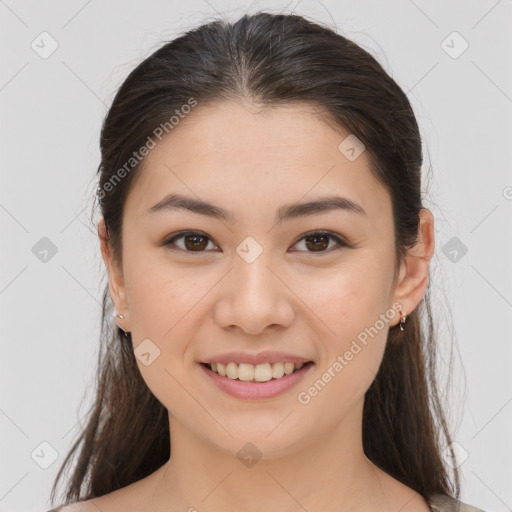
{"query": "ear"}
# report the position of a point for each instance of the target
(413, 276)
(115, 277)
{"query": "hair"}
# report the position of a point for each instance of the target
(267, 60)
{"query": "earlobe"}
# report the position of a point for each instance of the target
(414, 273)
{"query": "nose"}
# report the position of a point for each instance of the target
(254, 297)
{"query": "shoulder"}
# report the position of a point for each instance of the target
(444, 503)
(132, 497)
(79, 506)
(113, 502)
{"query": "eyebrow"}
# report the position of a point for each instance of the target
(173, 202)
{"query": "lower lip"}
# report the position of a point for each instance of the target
(256, 390)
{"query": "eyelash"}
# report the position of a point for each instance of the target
(182, 234)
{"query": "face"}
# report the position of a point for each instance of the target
(251, 282)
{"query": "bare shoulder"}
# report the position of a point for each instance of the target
(116, 501)
(135, 497)
(108, 503)
(79, 506)
(92, 505)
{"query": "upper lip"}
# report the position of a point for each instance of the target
(268, 356)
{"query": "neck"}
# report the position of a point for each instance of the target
(323, 473)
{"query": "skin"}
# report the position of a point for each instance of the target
(291, 298)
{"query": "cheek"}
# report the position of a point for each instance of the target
(159, 301)
(351, 298)
(167, 304)
(351, 357)
(354, 316)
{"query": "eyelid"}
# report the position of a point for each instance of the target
(340, 241)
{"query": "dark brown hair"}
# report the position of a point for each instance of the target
(268, 60)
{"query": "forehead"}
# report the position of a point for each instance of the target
(238, 155)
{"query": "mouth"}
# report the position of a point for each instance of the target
(267, 382)
(260, 373)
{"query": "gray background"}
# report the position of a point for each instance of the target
(51, 113)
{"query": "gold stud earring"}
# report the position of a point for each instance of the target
(402, 320)
(119, 315)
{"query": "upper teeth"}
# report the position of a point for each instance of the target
(259, 372)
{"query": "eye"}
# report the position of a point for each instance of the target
(196, 241)
(320, 240)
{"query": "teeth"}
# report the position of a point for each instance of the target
(259, 373)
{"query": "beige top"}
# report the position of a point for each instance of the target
(436, 502)
(443, 503)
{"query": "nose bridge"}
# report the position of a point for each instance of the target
(255, 297)
(254, 282)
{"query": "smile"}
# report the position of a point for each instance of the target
(258, 373)
(249, 381)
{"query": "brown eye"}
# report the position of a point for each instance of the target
(194, 241)
(318, 241)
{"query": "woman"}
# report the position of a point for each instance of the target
(268, 260)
